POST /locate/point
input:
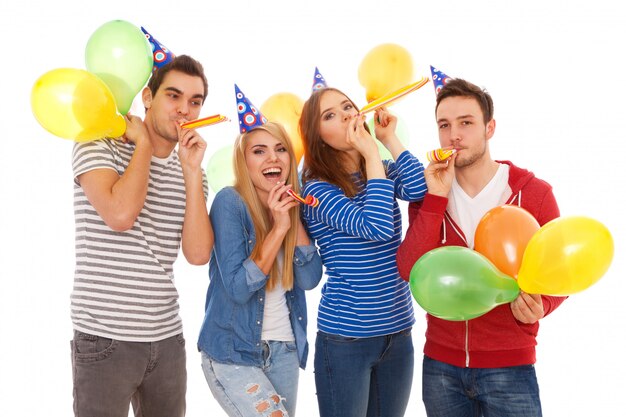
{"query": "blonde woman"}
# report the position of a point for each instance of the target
(253, 339)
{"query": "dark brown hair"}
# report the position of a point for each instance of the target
(458, 87)
(322, 162)
(183, 63)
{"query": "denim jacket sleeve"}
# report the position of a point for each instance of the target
(234, 238)
(307, 267)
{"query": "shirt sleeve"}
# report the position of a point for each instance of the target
(97, 154)
(423, 234)
(372, 220)
(240, 275)
(407, 174)
(307, 267)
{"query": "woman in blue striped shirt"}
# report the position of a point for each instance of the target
(363, 350)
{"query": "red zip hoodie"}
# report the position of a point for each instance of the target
(495, 339)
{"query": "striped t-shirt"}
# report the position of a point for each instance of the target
(124, 282)
(358, 237)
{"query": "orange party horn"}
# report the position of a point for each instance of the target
(207, 121)
(309, 200)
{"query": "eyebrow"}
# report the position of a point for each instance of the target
(177, 91)
(341, 104)
(464, 116)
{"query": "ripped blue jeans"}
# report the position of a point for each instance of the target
(251, 391)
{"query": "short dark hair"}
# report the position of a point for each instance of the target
(182, 63)
(458, 87)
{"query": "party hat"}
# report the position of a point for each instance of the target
(439, 79)
(249, 116)
(160, 54)
(318, 81)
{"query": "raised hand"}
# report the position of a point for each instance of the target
(191, 147)
(439, 176)
(136, 131)
(360, 139)
(279, 204)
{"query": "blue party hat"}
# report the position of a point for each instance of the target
(160, 54)
(439, 79)
(318, 81)
(249, 116)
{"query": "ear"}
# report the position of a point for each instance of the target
(146, 97)
(491, 128)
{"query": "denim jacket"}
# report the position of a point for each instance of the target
(233, 320)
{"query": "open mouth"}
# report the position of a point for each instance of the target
(272, 173)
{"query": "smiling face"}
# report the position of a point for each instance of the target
(267, 161)
(178, 99)
(460, 123)
(336, 111)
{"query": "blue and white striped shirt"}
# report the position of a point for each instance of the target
(358, 237)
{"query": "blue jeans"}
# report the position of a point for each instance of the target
(253, 391)
(450, 391)
(358, 377)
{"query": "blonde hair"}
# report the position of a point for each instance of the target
(258, 212)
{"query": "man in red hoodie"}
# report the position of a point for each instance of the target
(482, 366)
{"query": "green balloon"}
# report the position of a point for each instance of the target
(120, 55)
(456, 283)
(402, 131)
(219, 169)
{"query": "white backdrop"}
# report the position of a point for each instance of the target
(554, 69)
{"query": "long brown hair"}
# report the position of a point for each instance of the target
(322, 162)
(258, 212)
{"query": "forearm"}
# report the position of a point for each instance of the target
(374, 167)
(197, 234)
(395, 147)
(120, 199)
(272, 244)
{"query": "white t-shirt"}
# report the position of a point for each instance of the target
(467, 211)
(276, 323)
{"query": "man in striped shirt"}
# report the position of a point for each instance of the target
(137, 200)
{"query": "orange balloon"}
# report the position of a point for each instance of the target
(502, 236)
(286, 108)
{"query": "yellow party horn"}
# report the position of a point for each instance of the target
(393, 96)
(439, 155)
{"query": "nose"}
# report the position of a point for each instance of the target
(346, 116)
(455, 135)
(272, 156)
(183, 108)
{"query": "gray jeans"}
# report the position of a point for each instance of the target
(110, 374)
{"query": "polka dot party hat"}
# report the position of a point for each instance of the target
(318, 81)
(249, 116)
(439, 79)
(160, 54)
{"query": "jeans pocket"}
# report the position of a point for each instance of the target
(336, 338)
(92, 348)
(180, 339)
(291, 346)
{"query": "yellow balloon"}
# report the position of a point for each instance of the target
(286, 108)
(75, 104)
(386, 68)
(566, 256)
